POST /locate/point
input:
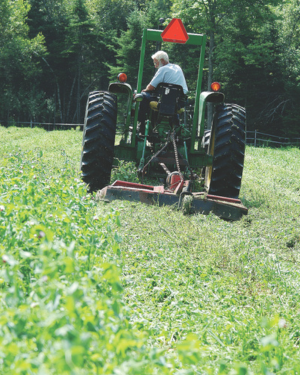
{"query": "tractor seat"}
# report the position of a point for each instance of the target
(171, 99)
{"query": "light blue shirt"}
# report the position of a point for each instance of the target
(170, 73)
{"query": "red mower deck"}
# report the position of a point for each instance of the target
(225, 208)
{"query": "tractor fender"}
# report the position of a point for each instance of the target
(207, 97)
(120, 88)
(124, 88)
(212, 97)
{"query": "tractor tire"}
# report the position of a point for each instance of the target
(227, 146)
(98, 139)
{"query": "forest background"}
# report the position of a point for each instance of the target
(53, 53)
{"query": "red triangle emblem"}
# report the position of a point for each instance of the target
(175, 32)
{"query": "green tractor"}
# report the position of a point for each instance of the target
(174, 146)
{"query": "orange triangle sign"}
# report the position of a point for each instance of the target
(175, 32)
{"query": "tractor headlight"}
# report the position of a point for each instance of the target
(138, 97)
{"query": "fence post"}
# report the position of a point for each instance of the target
(255, 138)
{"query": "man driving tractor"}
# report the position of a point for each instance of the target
(166, 73)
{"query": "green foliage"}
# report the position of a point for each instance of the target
(126, 171)
(289, 55)
(53, 53)
(62, 310)
(18, 66)
(252, 68)
(128, 48)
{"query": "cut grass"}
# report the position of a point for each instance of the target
(233, 284)
(219, 296)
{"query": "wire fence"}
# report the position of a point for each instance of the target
(258, 139)
(46, 125)
(253, 137)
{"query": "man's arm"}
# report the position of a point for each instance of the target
(149, 88)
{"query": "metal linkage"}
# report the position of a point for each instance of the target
(154, 156)
(165, 168)
(175, 152)
(170, 139)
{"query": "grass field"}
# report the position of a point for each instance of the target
(122, 288)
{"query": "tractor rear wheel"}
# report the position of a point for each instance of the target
(98, 139)
(227, 146)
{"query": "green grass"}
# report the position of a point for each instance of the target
(200, 295)
(56, 147)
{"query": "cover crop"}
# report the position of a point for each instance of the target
(61, 309)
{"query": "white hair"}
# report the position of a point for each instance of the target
(159, 55)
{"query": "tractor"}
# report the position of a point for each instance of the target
(175, 147)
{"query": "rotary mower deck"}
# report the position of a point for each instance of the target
(188, 202)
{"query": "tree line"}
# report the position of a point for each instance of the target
(53, 53)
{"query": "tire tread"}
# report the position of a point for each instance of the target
(98, 139)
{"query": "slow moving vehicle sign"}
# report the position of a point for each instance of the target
(175, 32)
